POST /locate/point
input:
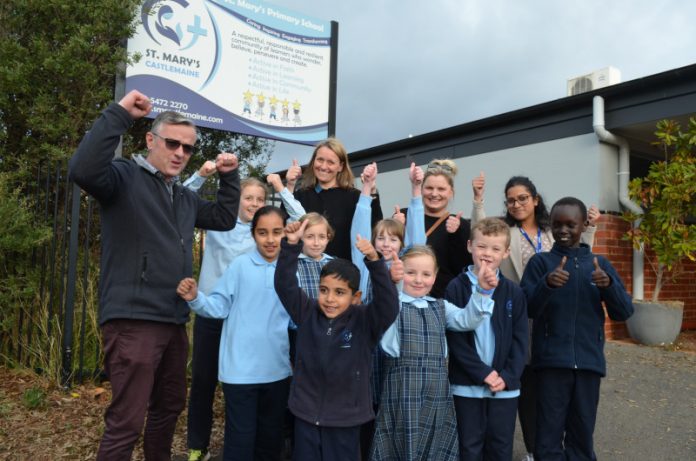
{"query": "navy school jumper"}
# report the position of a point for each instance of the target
(509, 323)
(569, 321)
(331, 385)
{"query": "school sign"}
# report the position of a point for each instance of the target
(237, 65)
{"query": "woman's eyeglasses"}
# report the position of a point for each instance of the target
(173, 144)
(522, 200)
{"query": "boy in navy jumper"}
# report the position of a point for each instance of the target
(486, 364)
(330, 394)
(565, 289)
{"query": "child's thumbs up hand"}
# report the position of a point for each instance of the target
(453, 222)
(397, 268)
(398, 215)
(599, 277)
(295, 230)
(486, 276)
(559, 276)
(478, 185)
(366, 248)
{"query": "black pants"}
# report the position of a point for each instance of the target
(254, 420)
(204, 379)
(318, 443)
(486, 428)
(526, 410)
(566, 414)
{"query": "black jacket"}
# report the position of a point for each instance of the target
(331, 383)
(569, 321)
(146, 233)
(509, 323)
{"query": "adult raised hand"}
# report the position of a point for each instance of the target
(559, 276)
(293, 174)
(137, 104)
(453, 222)
(478, 185)
(593, 215)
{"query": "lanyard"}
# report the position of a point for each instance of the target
(537, 248)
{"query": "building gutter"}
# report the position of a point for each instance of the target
(624, 163)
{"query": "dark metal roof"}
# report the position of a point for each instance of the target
(631, 109)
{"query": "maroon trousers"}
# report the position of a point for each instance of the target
(146, 365)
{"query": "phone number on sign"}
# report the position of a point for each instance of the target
(168, 103)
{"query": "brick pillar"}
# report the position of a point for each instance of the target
(610, 243)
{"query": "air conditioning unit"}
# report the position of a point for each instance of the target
(597, 79)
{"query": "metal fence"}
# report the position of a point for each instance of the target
(57, 319)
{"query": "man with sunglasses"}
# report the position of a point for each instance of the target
(147, 220)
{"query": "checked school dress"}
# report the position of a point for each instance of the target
(416, 419)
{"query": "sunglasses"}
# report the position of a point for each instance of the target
(173, 144)
(521, 199)
(437, 167)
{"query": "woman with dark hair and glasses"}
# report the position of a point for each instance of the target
(528, 218)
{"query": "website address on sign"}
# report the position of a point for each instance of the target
(192, 116)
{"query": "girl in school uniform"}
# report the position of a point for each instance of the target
(416, 418)
(221, 248)
(254, 363)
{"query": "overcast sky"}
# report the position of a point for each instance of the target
(411, 67)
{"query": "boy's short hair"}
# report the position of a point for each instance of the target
(492, 226)
(342, 269)
(420, 250)
(572, 201)
(313, 218)
(391, 227)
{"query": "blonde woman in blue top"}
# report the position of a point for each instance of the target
(254, 361)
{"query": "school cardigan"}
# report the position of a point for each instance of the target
(569, 321)
(331, 383)
(510, 331)
(338, 206)
(146, 224)
(254, 346)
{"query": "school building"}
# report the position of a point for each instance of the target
(578, 145)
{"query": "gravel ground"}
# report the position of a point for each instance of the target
(647, 409)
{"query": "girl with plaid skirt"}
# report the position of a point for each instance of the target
(416, 419)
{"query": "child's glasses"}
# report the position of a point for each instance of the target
(521, 199)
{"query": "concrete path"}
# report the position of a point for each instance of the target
(647, 409)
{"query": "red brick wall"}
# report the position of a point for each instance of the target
(610, 243)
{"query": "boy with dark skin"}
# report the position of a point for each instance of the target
(565, 290)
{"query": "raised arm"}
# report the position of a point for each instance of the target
(415, 224)
(221, 214)
(92, 166)
(478, 185)
(197, 179)
(293, 298)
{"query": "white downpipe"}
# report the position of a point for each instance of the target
(624, 162)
